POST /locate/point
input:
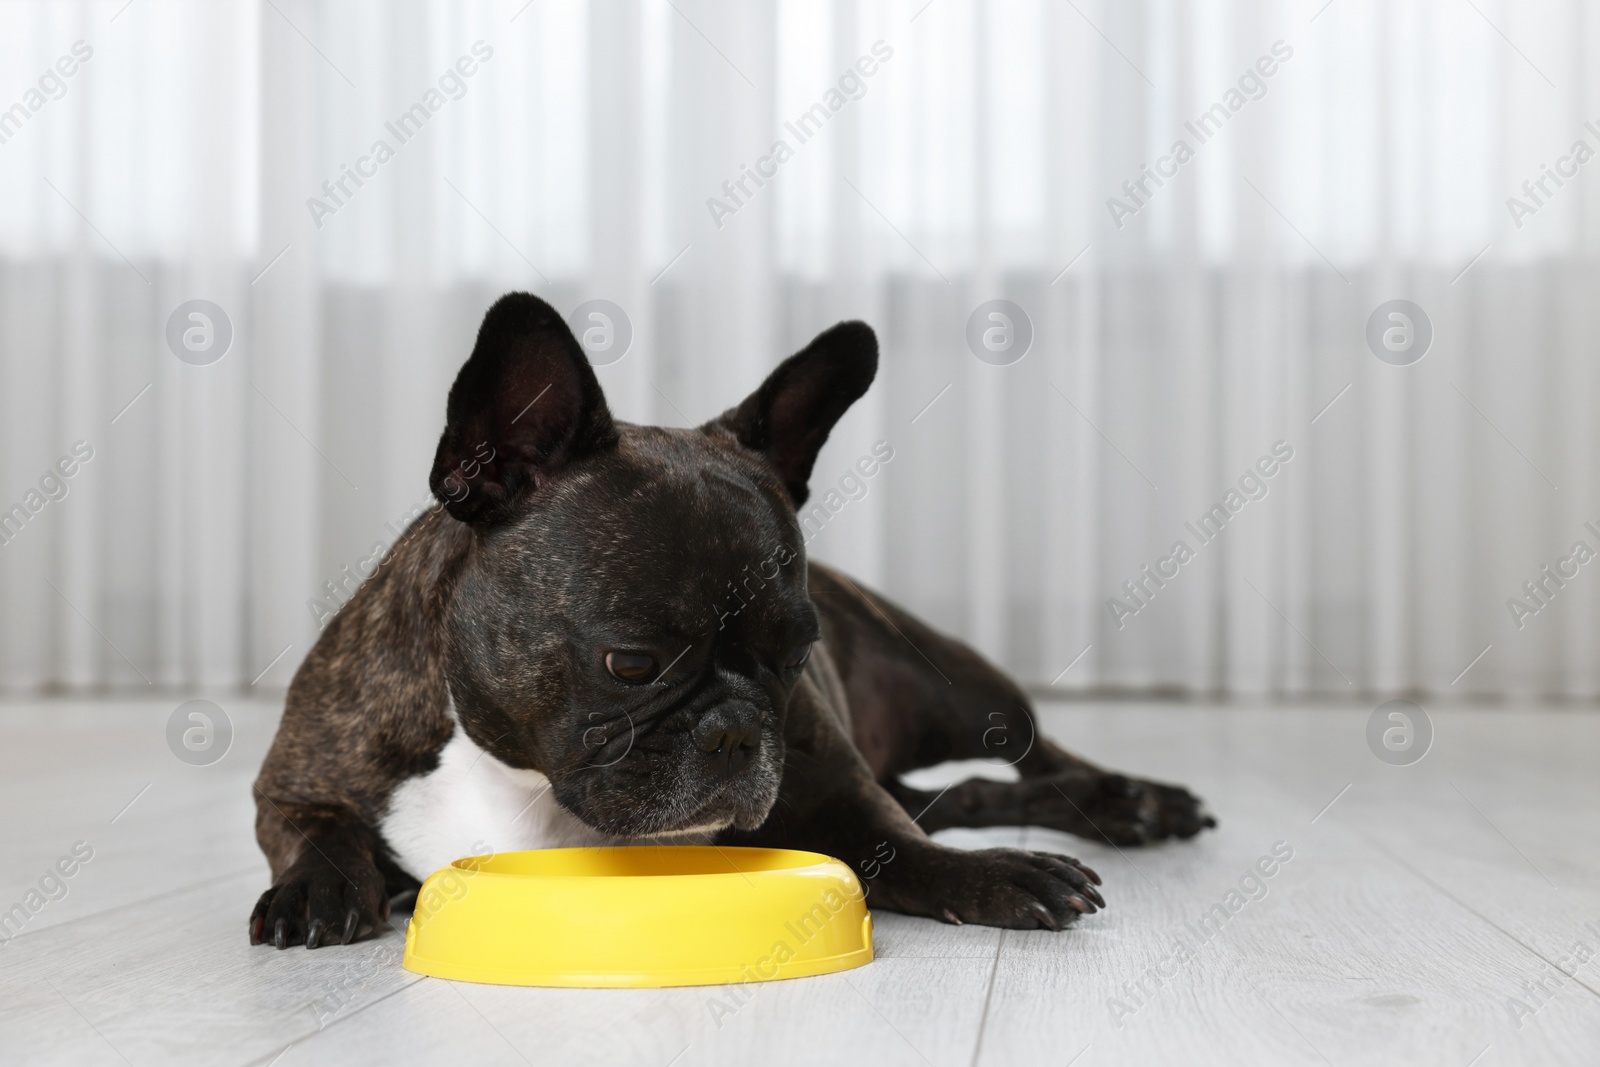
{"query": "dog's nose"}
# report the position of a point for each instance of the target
(729, 737)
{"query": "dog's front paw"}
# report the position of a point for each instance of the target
(317, 904)
(1132, 811)
(1005, 887)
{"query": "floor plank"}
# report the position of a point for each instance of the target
(103, 775)
(1414, 912)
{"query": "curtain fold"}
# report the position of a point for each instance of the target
(1193, 322)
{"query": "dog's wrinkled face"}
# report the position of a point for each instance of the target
(635, 636)
(633, 617)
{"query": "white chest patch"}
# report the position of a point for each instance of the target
(473, 804)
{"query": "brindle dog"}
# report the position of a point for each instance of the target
(610, 633)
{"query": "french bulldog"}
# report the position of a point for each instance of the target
(610, 634)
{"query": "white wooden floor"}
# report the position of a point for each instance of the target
(1414, 909)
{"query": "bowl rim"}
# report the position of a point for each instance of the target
(481, 866)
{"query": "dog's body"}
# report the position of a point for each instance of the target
(609, 633)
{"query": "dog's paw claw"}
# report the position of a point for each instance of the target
(1004, 887)
(317, 906)
(1130, 811)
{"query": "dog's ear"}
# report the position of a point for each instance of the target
(525, 404)
(790, 416)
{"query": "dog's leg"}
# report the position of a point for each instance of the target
(1061, 791)
(904, 871)
(329, 884)
(829, 803)
(1084, 800)
(918, 698)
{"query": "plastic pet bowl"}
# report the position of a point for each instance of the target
(639, 916)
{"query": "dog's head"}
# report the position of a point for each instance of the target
(632, 617)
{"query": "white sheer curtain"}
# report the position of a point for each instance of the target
(602, 150)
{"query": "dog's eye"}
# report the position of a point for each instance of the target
(631, 666)
(796, 657)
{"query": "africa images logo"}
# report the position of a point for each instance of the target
(338, 191)
(851, 85)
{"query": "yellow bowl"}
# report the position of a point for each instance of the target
(639, 916)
